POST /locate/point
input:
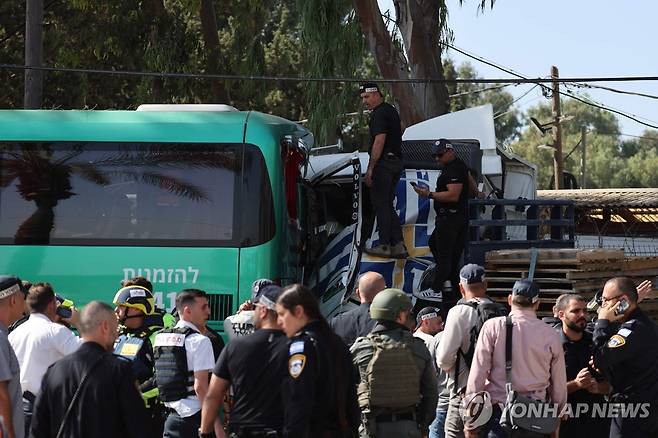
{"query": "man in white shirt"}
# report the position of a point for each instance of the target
(183, 384)
(40, 342)
(430, 327)
(456, 342)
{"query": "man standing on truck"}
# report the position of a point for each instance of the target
(384, 167)
(451, 205)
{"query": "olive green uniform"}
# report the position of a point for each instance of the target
(409, 421)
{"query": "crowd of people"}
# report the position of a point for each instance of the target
(378, 370)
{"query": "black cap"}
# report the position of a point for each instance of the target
(9, 285)
(257, 285)
(441, 145)
(267, 296)
(369, 87)
(471, 274)
(526, 288)
(427, 313)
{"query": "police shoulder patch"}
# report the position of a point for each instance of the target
(296, 365)
(296, 347)
(616, 341)
(624, 332)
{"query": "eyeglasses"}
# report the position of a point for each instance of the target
(605, 300)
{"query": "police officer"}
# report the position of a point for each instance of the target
(451, 205)
(183, 362)
(254, 366)
(384, 168)
(625, 342)
(134, 304)
(319, 390)
(397, 391)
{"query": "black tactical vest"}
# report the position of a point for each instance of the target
(173, 378)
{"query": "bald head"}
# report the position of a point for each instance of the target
(621, 286)
(370, 284)
(98, 323)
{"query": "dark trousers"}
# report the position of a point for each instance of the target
(447, 244)
(28, 409)
(493, 429)
(634, 427)
(182, 427)
(385, 178)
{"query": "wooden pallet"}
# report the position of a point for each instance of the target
(559, 271)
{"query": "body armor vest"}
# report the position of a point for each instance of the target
(175, 381)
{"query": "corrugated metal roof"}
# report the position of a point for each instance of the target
(618, 198)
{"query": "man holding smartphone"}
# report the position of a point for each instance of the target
(451, 205)
(625, 351)
(39, 342)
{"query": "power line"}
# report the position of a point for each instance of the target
(614, 90)
(569, 94)
(516, 100)
(539, 81)
(481, 90)
(596, 105)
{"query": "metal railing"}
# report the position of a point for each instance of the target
(536, 223)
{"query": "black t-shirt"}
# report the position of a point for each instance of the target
(384, 119)
(455, 172)
(576, 357)
(256, 367)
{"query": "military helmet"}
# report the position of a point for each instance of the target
(388, 303)
(136, 297)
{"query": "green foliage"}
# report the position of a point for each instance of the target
(507, 120)
(609, 163)
(333, 47)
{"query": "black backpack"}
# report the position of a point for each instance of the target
(485, 311)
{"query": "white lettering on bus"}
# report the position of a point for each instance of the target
(163, 275)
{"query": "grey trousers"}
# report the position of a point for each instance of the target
(454, 423)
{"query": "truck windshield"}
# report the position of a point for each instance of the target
(137, 194)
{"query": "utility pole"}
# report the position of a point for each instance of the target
(583, 155)
(33, 54)
(557, 132)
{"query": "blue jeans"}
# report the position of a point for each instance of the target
(438, 425)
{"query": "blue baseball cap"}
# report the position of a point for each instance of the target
(471, 274)
(440, 146)
(257, 285)
(267, 296)
(526, 288)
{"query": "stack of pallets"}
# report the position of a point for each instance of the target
(559, 271)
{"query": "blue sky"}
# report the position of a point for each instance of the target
(582, 38)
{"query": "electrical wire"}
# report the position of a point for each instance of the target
(540, 81)
(516, 100)
(568, 94)
(614, 90)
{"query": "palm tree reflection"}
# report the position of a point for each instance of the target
(44, 174)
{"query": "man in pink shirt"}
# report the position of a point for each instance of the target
(538, 368)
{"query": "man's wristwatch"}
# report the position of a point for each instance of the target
(429, 195)
(206, 435)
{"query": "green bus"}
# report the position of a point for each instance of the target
(188, 197)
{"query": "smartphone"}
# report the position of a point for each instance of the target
(623, 306)
(414, 184)
(64, 312)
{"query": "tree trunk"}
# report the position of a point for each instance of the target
(158, 28)
(33, 54)
(211, 40)
(419, 26)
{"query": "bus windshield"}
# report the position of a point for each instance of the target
(134, 194)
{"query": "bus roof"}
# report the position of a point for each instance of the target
(135, 126)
